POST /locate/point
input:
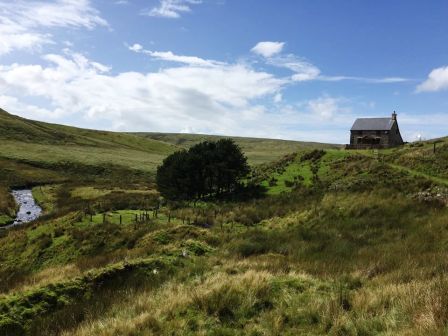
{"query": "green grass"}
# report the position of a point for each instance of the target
(438, 180)
(45, 197)
(5, 220)
(7, 206)
(18, 312)
(293, 170)
(89, 155)
(300, 172)
(89, 192)
(48, 149)
(14, 128)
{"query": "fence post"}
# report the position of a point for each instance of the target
(120, 220)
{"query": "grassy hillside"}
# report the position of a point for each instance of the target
(257, 150)
(422, 158)
(342, 242)
(43, 143)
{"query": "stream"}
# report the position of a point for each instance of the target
(28, 209)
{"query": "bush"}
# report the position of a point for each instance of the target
(196, 247)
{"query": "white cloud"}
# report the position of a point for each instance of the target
(171, 8)
(437, 81)
(136, 47)
(384, 80)
(26, 110)
(303, 70)
(231, 99)
(306, 71)
(271, 51)
(23, 23)
(268, 49)
(171, 57)
(327, 107)
(200, 95)
(219, 99)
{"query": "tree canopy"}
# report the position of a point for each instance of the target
(206, 169)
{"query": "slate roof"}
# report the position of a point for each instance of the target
(373, 124)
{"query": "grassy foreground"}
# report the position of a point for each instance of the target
(342, 243)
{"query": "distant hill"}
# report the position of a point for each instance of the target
(33, 141)
(258, 150)
(24, 139)
(20, 129)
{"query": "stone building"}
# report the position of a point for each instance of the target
(369, 133)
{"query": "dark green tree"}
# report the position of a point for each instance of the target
(207, 169)
(173, 177)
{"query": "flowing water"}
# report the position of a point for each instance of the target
(28, 209)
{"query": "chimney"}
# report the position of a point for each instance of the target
(394, 116)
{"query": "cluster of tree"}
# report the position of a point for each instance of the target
(205, 170)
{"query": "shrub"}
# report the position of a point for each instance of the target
(196, 247)
(314, 155)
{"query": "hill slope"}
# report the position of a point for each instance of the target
(35, 141)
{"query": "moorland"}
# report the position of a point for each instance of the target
(339, 242)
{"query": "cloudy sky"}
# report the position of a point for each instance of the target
(289, 69)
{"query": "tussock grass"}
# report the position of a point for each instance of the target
(25, 312)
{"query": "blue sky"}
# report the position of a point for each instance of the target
(300, 70)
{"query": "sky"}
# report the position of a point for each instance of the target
(290, 69)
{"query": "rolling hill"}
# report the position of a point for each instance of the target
(23, 139)
(40, 142)
(258, 150)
